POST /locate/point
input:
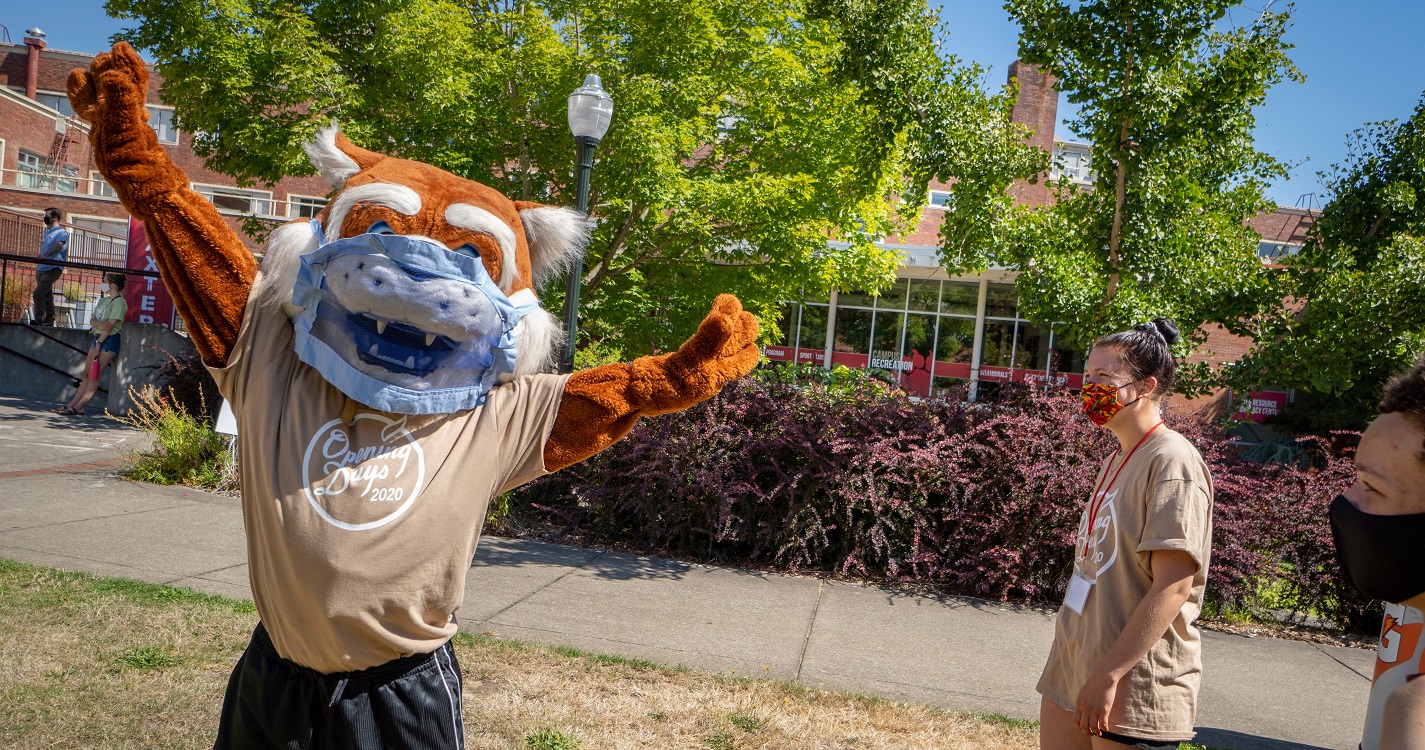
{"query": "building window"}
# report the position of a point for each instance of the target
(67, 181)
(1071, 162)
(940, 199)
(34, 172)
(812, 333)
(99, 186)
(55, 101)
(304, 206)
(1268, 250)
(31, 166)
(237, 199)
(161, 120)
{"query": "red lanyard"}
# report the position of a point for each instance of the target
(1095, 502)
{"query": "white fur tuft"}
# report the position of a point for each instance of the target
(557, 237)
(389, 194)
(334, 166)
(539, 338)
(278, 272)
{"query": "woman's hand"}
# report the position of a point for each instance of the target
(1095, 702)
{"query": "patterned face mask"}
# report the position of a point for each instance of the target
(1101, 402)
(405, 325)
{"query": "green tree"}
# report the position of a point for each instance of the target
(1166, 91)
(1355, 309)
(745, 134)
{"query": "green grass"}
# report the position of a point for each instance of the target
(747, 721)
(550, 739)
(720, 741)
(149, 657)
(1006, 721)
(108, 663)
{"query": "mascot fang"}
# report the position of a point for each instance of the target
(387, 366)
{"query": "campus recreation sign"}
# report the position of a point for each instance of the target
(1258, 405)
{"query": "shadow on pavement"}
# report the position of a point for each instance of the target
(39, 413)
(614, 566)
(1226, 739)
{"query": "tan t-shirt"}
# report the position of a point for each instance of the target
(359, 535)
(1161, 501)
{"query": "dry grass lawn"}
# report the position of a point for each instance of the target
(94, 662)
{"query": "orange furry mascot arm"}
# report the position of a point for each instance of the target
(602, 404)
(204, 264)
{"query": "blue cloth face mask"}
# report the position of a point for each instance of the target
(403, 324)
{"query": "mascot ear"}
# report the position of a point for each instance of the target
(337, 158)
(557, 237)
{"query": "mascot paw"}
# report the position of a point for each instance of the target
(725, 346)
(115, 81)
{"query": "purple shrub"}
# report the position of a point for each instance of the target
(980, 500)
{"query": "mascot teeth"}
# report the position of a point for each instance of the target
(381, 327)
(430, 339)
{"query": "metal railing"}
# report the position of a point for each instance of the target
(76, 292)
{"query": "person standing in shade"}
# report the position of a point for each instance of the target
(1125, 666)
(1378, 525)
(54, 246)
(108, 318)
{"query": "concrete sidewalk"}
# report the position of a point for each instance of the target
(62, 506)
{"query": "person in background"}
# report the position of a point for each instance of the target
(108, 318)
(54, 246)
(1379, 529)
(1125, 666)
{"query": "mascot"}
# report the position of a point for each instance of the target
(384, 362)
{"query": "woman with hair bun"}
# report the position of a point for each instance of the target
(1126, 663)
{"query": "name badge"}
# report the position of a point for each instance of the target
(1078, 593)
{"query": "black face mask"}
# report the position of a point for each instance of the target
(1383, 556)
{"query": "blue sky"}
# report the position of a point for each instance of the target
(1358, 56)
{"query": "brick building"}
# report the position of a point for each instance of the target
(939, 331)
(45, 158)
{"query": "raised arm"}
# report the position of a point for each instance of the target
(602, 404)
(204, 264)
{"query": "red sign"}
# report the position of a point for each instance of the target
(148, 298)
(1259, 405)
(777, 353)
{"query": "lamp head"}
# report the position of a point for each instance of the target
(590, 109)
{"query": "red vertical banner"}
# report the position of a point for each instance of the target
(147, 296)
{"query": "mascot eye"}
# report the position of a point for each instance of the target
(380, 227)
(468, 251)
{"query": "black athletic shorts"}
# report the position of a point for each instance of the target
(1141, 743)
(412, 703)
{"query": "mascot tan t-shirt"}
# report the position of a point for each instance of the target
(360, 532)
(1162, 500)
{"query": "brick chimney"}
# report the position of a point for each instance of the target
(1038, 108)
(1038, 102)
(32, 71)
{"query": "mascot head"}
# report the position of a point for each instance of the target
(414, 290)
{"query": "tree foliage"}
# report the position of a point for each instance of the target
(745, 132)
(1355, 308)
(1166, 91)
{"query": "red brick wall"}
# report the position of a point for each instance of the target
(1038, 107)
(22, 127)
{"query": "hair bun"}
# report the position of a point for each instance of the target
(1167, 330)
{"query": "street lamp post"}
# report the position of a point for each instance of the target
(590, 110)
